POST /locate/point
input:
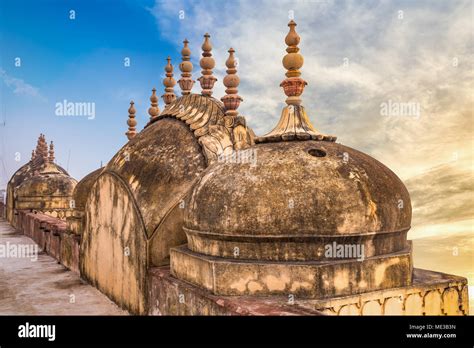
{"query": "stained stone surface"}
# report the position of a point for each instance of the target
(45, 287)
(298, 197)
(432, 293)
(309, 279)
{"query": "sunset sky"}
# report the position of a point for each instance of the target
(358, 56)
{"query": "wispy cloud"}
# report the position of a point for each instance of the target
(401, 51)
(19, 86)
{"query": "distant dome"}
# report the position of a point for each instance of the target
(296, 198)
(49, 189)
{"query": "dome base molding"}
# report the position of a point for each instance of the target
(309, 279)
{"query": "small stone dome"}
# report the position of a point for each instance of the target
(49, 189)
(295, 197)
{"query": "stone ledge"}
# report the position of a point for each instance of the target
(52, 236)
(431, 293)
(302, 279)
(171, 296)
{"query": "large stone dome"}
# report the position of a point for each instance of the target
(293, 199)
(83, 187)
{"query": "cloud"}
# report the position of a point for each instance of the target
(443, 195)
(396, 50)
(19, 86)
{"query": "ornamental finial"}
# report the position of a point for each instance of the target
(207, 63)
(293, 85)
(169, 83)
(131, 122)
(51, 157)
(154, 110)
(231, 100)
(186, 82)
(294, 123)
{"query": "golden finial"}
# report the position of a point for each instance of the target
(231, 100)
(294, 123)
(131, 121)
(207, 63)
(293, 85)
(169, 83)
(51, 157)
(154, 110)
(186, 82)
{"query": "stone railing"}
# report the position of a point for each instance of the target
(52, 237)
(432, 293)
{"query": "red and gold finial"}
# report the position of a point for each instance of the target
(207, 63)
(186, 82)
(293, 85)
(231, 100)
(294, 123)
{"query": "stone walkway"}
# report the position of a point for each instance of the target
(43, 286)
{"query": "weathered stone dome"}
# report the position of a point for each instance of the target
(22, 174)
(49, 189)
(83, 187)
(295, 198)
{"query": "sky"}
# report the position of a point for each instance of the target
(362, 58)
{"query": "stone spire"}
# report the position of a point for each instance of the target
(33, 155)
(294, 123)
(42, 148)
(293, 85)
(131, 120)
(231, 100)
(154, 110)
(51, 157)
(207, 63)
(186, 82)
(38, 146)
(169, 83)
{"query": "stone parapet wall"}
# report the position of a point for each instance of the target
(52, 237)
(171, 296)
(432, 293)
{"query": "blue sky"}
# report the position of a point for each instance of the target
(80, 60)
